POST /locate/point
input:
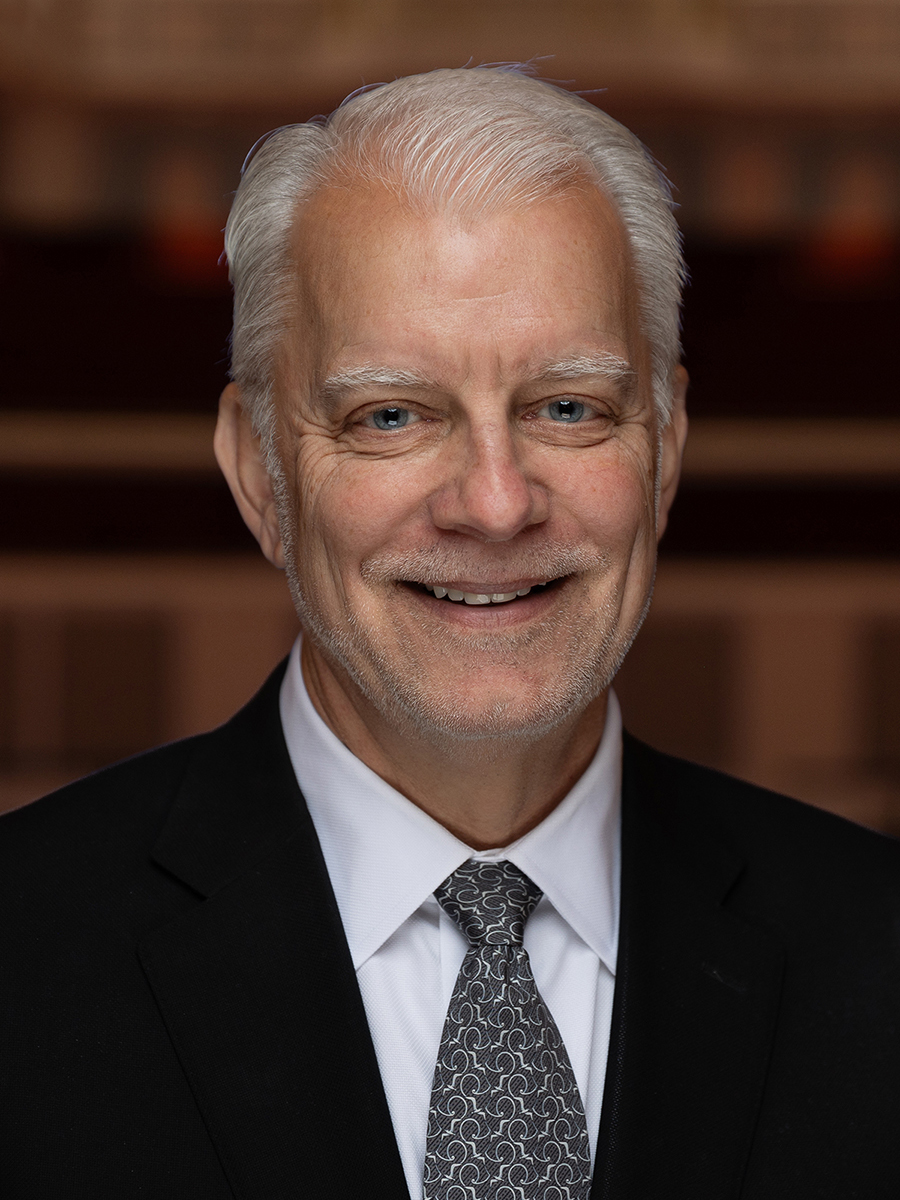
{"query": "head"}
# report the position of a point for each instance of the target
(456, 341)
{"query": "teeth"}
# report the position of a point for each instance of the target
(476, 597)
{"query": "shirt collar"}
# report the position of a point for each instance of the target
(385, 856)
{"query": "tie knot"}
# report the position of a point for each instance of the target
(489, 901)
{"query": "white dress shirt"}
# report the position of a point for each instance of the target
(385, 857)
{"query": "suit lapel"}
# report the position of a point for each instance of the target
(697, 991)
(255, 982)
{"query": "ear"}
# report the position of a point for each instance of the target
(240, 458)
(673, 439)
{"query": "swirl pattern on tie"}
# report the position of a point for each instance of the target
(506, 1120)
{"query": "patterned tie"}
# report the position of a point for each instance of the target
(506, 1120)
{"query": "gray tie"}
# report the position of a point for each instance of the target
(506, 1120)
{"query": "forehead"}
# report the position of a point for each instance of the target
(377, 281)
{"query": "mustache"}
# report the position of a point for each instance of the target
(432, 564)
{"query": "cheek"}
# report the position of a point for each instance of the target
(613, 504)
(352, 508)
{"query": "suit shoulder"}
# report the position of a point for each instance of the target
(762, 823)
(97, 836)
(120, 804)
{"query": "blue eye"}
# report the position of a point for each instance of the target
(568, 411)
(390, 418)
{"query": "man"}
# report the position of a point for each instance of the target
(414, 921)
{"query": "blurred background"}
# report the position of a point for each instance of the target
(134, 606)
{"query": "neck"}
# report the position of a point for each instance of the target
(488, 792)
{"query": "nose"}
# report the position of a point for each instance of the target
(487, 492)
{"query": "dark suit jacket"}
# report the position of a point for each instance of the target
(180, 1016)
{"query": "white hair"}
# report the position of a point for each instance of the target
(469, 142)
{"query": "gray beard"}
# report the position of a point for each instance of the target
(409, 703)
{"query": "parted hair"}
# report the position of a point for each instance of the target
(467, 143)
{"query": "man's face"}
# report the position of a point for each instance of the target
(466, 412)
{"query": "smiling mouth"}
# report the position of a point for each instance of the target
(458, 596)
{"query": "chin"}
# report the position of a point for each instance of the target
(496, 724)
(454, 715)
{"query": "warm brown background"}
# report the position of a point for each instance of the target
(132, 605)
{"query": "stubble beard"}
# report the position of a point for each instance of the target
(393, 682)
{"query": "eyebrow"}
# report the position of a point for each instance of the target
(356, 379)
(608, 366)
(580, 366)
